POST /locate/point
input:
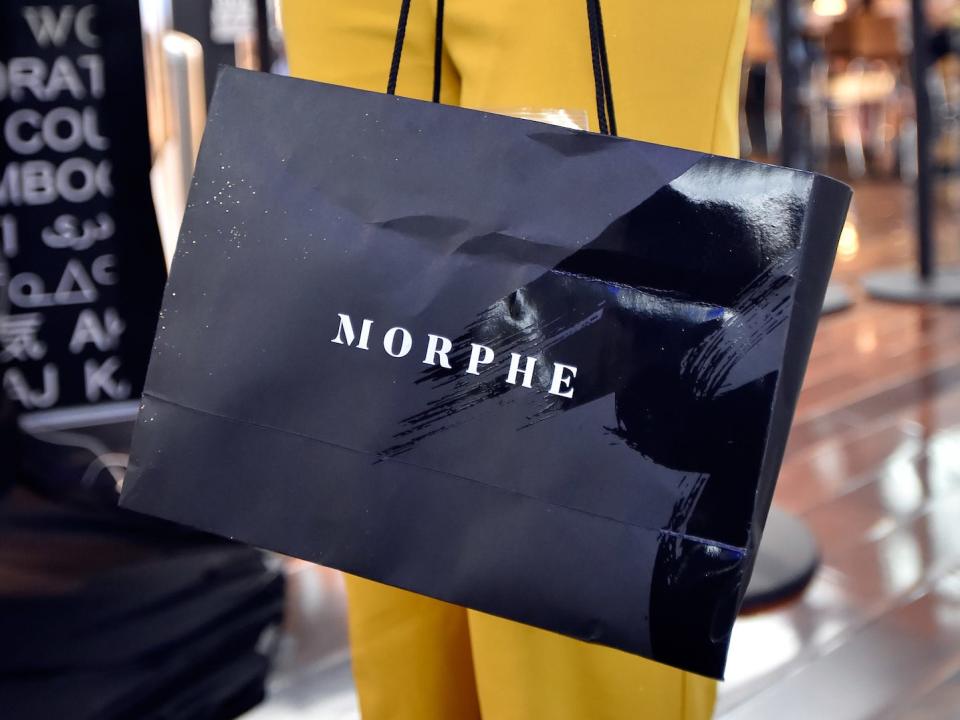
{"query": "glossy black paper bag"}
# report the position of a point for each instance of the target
(626, 327)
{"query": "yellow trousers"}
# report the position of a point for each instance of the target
(675, 70)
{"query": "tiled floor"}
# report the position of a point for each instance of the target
(874, 468)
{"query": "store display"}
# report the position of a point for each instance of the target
(104, 613)
(77, 224)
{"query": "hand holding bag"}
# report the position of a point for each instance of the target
(539, 372)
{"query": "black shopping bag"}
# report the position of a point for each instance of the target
(538, 372)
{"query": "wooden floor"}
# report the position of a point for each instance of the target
(873, 466)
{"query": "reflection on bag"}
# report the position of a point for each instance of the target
(539, 372)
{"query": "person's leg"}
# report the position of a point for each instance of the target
(411, 655)
(674, 66)
(675, 71)
(350, 43)
(525, 673)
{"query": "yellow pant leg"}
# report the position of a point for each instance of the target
(411, 655)
(675, 73)
(674, 65)
(527, 674)
(350, 42)
(675, 69)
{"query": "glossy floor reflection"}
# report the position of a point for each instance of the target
(873, 466)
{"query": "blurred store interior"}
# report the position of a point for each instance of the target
(867, 91)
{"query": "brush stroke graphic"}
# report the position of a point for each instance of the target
(629, 324)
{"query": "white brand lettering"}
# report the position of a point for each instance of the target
(479, 355)
(19, 389)
(563, 376)
(445, 346)
(406, 341)
(104, 334)
(515, 359)
(99, 380)
(51, 26)
(398, 342)
(346, 336)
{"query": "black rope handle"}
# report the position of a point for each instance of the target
(597, 37)
(598, 54)
(438, 52)
(598, 79)
(398, 47)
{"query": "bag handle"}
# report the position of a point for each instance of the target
(598, 54)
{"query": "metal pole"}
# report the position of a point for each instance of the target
(931, 284)
(790, 59)
(263, 36)
(187, 99)
(183, 59)
(926, 252)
